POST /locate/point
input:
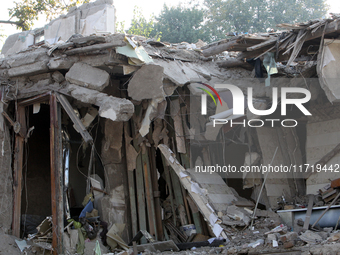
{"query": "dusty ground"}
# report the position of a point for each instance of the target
(9, 247)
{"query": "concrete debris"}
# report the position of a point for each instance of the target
(147, 83)
(58, 77)
(87, 76)
(116, 109)
(101, 79)
(311, 237)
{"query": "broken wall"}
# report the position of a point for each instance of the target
(90, 18)
(285, 141)
(113, 206)
(6, 180)
(322, 137)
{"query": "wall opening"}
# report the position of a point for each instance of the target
(36, 192)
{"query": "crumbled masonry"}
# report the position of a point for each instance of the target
(105, 146)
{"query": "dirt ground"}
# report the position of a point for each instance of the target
(9, 247)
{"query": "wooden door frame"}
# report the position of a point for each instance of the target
(55, 168)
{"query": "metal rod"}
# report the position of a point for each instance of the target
(264, 181)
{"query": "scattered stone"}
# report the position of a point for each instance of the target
(289, 244)
(58, 77)
(271, 238)
(311, 237)
(256, 243)
(334, 237)
(328, 230)
(291, 236)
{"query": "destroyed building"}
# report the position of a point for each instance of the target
(96, 123)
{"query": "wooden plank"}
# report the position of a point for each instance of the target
(179, 132)
(174, 179)
(139, 176)
(169, 184)
(17, 177)
(156, 192)
(37, 99)
(102, 46)
(233, 62)
(149, 191)
(195, 215)
(223, 46)
(309, 212)
(332, 27)
(199, 200)
(76, 121)
(131, 182)
(260, 45)
(56, 176)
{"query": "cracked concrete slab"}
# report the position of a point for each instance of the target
(114, 108)
(147, 83)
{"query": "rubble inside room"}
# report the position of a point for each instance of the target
(101, 132)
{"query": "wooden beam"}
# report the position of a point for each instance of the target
(56, 176)
(17, 177)
(220, 47)
(76, 121)
(102, 46)
(332, 27)
(233, 62)
(263, 44)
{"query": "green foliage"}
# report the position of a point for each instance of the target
(225, 16)
(120, 27)
(178, 24)
(140, 25)
(25, 12)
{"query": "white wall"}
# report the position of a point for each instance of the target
(322, 137)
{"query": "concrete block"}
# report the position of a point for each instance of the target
(147, 83)
(88, 76)
(116, 109)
